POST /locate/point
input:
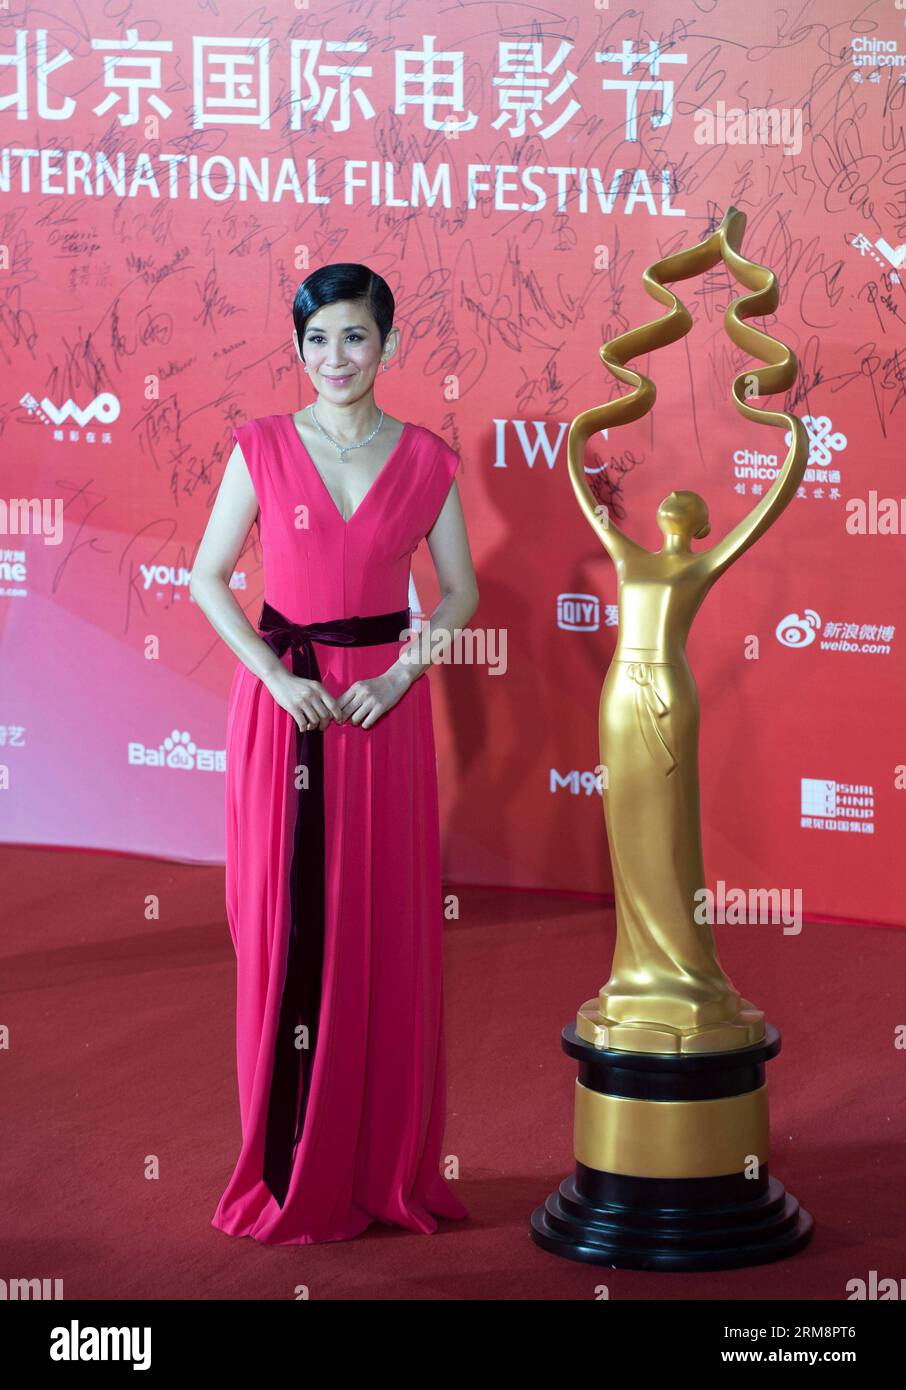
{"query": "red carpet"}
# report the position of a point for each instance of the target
(121, 1063)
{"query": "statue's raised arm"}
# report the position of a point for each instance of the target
(779, 373)
(615, 354)
(763, 381)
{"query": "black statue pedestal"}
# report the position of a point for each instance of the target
(671, 1163)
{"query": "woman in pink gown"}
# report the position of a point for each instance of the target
(333, 888)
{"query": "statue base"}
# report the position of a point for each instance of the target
(671, 1163)
(593, 1026)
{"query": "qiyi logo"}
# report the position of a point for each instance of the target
(829, 805)
(78, 1343)
(583, 612)
(578, 612)
(178, 751)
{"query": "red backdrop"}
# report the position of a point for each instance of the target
(166, 187)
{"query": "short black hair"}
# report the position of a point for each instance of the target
(344, 280)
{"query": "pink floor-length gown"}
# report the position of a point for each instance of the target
(374, 1124)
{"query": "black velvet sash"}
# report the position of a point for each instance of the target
(301, 1000)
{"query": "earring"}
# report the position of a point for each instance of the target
(383, 366)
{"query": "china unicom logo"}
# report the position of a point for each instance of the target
(793, 631)
(104, 408)
(821, 442)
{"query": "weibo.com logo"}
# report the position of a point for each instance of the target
(794, 631)
(105, 408)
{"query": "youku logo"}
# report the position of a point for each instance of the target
(178, 576)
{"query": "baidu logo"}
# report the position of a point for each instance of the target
(178, 750)
(793, 631)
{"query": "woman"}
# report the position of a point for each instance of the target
(333, 890)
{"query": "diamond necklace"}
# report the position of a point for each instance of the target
(345, 448)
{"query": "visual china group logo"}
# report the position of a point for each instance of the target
(830, 805)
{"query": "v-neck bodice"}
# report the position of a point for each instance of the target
(319, 565)
(306, 453)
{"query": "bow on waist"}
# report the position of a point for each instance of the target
(297, 1027)
(281, 634)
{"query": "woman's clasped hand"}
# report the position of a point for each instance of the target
(312, 706)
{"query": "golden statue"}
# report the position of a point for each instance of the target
(671, 1132)
(667, 992)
